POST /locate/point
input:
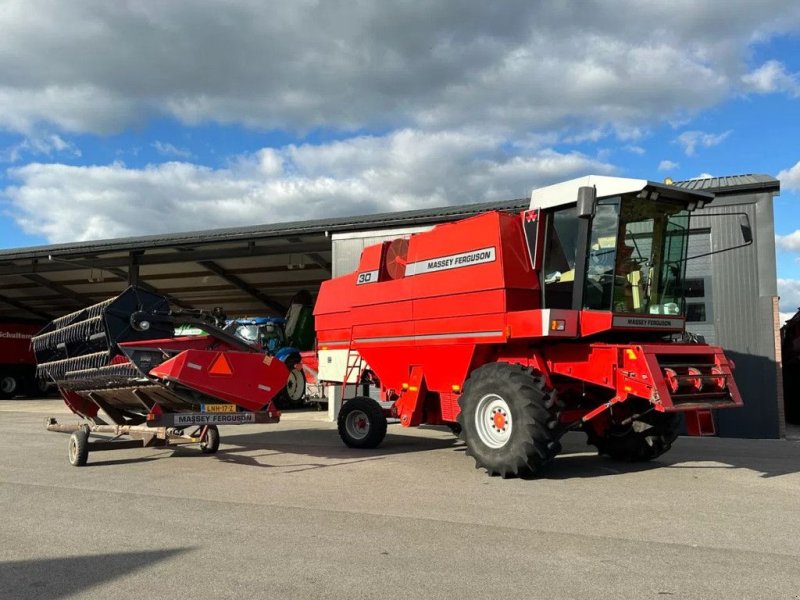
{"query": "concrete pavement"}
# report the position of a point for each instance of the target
(286, 511)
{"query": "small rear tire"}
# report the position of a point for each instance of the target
(645, 438)
(361, 423)
(78, 448)
(210, 442)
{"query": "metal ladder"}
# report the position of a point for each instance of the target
(354, 363)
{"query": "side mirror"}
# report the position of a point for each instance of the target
(587, 196)
(747, 231)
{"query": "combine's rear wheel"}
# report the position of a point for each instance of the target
(362, 423)
(647, 437)
(79, 447)
(509, 420)
(210, 443)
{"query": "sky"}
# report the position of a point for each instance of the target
(132, 118)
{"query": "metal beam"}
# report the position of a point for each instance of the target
(22, 306)
(320, 261)
(164, 258)
(61, 290)
(244, 286)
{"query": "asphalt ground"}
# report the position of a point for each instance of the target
(286, 511)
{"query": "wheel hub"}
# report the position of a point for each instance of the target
(357, 424)
(493, 421)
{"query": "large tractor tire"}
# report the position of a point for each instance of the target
(361, 423)
(645, 438)
(509, 420)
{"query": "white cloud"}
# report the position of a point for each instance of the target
(772, 77)
(703, 176)
(667, 165)
(403, 170)
(789, 292)
(167, 149)
(790, 178)
(633, 149)
(513, 66)
(789, 242)
(690, 140)
(38, 144)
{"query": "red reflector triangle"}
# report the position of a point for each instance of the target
(220, 366)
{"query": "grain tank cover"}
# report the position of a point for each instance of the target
(562, 194)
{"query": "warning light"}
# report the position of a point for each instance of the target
(220, 366)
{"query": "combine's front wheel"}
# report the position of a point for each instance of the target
(509, 420)
(647, 437)
(362, 423)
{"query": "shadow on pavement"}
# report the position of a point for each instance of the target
(71, 575)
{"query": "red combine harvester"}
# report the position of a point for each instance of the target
(122, 357)
(513, 329)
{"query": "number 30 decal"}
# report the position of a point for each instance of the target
(367, 277)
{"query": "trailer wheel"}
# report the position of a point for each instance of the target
(509, 420)
(210, 443)
(362, 423)
(78, 448)
(9, 385)
(645, 438)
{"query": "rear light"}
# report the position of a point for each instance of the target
(672, 380)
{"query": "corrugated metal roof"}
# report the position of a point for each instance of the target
(252, 232)
(730, 183)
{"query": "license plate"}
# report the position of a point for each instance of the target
(219, 408)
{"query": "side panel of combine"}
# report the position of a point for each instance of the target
(431, 302)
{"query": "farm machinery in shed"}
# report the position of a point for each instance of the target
(514, 329)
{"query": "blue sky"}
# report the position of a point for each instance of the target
(121, 120)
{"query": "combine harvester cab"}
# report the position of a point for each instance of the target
(122, 357)
(513, 329)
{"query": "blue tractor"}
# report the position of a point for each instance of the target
(270, 334)
(284, 338)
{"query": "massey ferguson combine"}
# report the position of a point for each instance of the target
(122, 357)
(513, 329)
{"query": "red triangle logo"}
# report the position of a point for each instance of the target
(220, 366)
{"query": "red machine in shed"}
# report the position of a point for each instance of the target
(513, 329)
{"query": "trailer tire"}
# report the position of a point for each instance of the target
(211, 442)
(509, 420)
(10, 385)
(645, 438)
(361, 423)
(78, 448)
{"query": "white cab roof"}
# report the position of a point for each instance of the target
(567, 192)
